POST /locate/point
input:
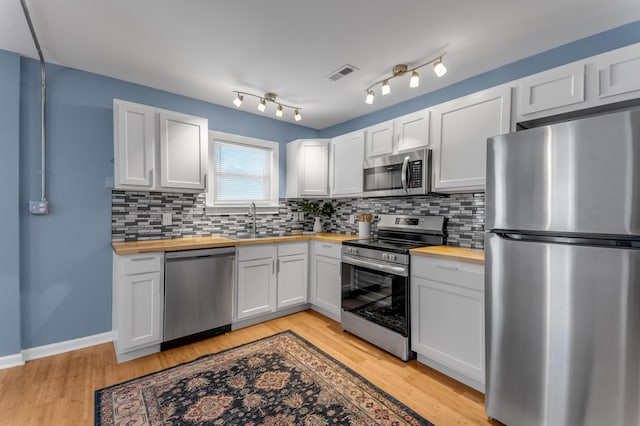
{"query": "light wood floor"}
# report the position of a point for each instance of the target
(59, 390)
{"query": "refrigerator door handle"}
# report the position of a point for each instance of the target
(576, 239)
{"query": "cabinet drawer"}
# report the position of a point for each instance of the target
(258, 251)
(140, 263)
(451, 272)
(327, 249)
(287, 249)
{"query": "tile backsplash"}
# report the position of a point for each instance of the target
(138, 216)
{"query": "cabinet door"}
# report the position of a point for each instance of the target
(460, 131)
(380, 139)
(618, 72)
(140, 310)
(412, 131)
(447, 325)
(256, 287)
(325, 284)
(183, 151)
(555, 88)
(134, 156)
(347, 155)
(313, 168)
(292, 280)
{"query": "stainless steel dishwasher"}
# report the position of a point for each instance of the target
(198, 294)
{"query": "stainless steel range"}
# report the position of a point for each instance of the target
(375, 280)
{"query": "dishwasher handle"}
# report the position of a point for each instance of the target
(185, 254)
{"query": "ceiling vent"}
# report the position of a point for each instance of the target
(343, 71)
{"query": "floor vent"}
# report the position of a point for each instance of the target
(343, 71)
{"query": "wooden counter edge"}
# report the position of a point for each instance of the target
(462, 254)
(151, 246)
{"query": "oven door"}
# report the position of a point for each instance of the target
(380, 297)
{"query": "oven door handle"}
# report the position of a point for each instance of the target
(396, 270)
(403, 178)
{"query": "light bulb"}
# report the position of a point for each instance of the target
(415, 79)
(279, 111)
(297, 115)
(439, 68)
(370, 96)
(238, 100)
(386, 89)
(262, 105)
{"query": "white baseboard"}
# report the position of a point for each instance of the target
(66, 346)
(11, 361)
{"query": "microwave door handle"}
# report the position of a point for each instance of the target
(403, 178)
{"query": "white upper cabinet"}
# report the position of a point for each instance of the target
(405, 133)
(308, 168)
(158, 150)
(551, 89)
(592, 82)
(134, 145)
(347, 155)
(380, 139)
(183, 144)
(460, 131)
(619, 72)
(412, 131)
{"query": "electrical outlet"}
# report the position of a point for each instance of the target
(352, 219)
(167, 220)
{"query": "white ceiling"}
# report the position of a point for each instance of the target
(206, 49)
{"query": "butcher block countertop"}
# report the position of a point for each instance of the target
(452, 253)
(176, 244)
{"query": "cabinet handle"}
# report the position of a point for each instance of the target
(205, 182)
(139, 259)
(451, 268)
(151, 177)
(273, 266)
(278, 266)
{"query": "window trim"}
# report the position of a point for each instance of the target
(270, 206)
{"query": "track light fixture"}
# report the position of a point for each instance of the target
(262, 103)
(401, 69)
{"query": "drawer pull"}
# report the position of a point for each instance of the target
(327, 246)
(139, 259)
(451, 268)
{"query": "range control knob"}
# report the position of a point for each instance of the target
(385, 256)
(391, 257)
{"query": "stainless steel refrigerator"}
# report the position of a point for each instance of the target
(563, 273)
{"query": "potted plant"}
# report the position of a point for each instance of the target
(317, 209)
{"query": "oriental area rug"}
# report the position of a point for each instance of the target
(278, 380)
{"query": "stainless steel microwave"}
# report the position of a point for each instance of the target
(401, 174)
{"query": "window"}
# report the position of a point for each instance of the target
(241, 170)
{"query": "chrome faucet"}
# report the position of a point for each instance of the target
(252, 213)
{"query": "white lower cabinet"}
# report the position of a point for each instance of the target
(137, 304)
(325, 279)
(270, 277)
(256, 282)
(293, 273)
(447, 317)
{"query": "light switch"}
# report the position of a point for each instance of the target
(166, 219)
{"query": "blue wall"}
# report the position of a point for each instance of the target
(64, 278)
(9, 220)
(580, 49)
